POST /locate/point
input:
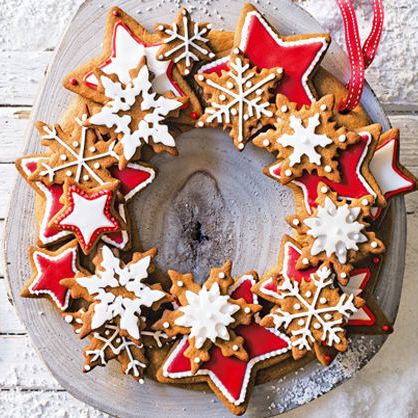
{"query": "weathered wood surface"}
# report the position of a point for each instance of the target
(14, 96)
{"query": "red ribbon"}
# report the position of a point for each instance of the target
(360, 57)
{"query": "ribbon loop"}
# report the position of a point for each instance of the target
(360, 57)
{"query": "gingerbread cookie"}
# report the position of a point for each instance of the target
(313, 312)
(298, 55)
(238, 99)
(125, 44)
(356, 179)
(77, 155)
(49, 268)
(207, 315)
(184, 41)
(336, 232)
(116, 292)
(306, 139)
(230, 378)
(135, 113)
(88, 213)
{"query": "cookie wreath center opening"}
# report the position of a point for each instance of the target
(212, 203)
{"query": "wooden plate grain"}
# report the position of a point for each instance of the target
(236, 213)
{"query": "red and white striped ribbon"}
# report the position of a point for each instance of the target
(360, 57)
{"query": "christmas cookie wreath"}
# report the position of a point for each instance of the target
(135, 99)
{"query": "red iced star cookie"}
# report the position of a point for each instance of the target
(368, 319)
(49, 267)
(133, 179)
(393, 178)
(229, 377)
(88, 213)
(298, 55)
(356, 177)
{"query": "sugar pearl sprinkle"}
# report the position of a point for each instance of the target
(266, 142)
(221, 275)
(247, 310)
(328, 169)
(365, 202)
(197, 360)
(324, 189)
(373, 244)
(166, 325)
(180, 283)
(235, 347)
(342, 138)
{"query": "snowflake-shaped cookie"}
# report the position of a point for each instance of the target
(313, 313)
(208, 315)
(306, 139)
(184, 41)
(117, 292)
(107, 344)
(238, 100)
(76, 155)
(337, 231)
(136, 113)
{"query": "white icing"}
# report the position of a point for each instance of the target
(304, 140)
(87, 215)
(78, 158)
(381, 166)
(110, 275)
(237, 102)
(112, 341)
(208, 314)
(187, 43)
(128, 52)
(236, 400)
(335, 229)
(310, 311)
(122, 98)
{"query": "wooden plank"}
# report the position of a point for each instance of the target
(40, 404)
(9, 322)
(21, 365)
(20, 75)
(8, 174)
(13, 122)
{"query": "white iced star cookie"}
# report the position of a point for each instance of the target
(306, 139)
(337, 232)
(207, 315)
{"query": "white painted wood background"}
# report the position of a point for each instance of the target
(388, 386)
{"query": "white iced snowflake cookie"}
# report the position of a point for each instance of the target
(184, 42)
(239, 99)
(117, 293)
(337, 232)
(313, 313)
(207, 315)
(306, 139)
(136, 113)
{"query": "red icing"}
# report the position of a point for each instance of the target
(367, 322)
(131, 178)
(50, 272)
(265, 52)
(352, 183)
(114, 53)
(229, 370)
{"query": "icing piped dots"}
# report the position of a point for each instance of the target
(284, 108)
(247, 310)
(68, 173)
(297, 306)
(328, 169)
(308, 294)
(324, 189)
(323, 107)
(373, 244)
(68, 319)
(235, 347)
(75, 144)
(365, 202)
(296, 222)
(288, 172)
(197, 360)
(317, 325)
(266, 142)
(323, 300)
(342, 138)
(305, 261)
(63, 157)
(221, 275)
(301, 322)
(166, 325)
(180, 283)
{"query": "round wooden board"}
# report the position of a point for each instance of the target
(243, 215)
